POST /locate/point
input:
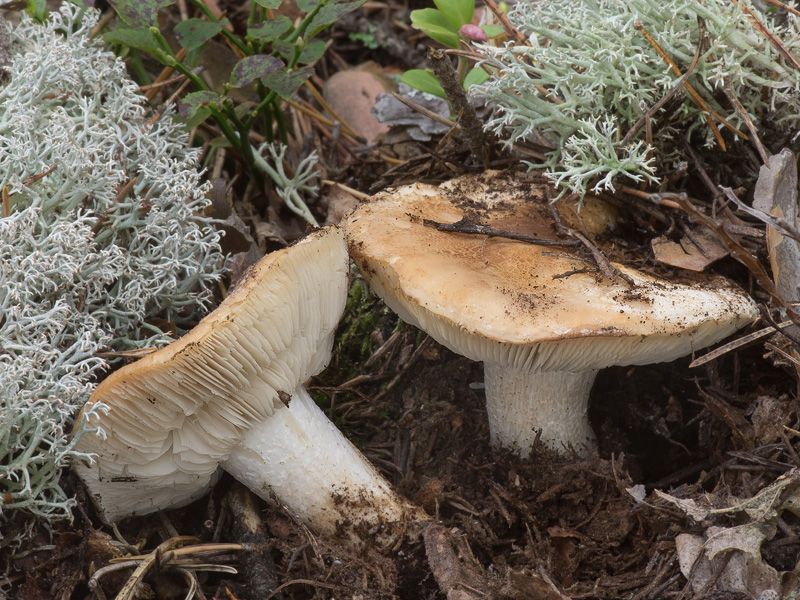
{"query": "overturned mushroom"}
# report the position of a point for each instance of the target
(230, 392)
(538, 318)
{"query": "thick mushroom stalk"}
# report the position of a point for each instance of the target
(292, 457)
(554, 406)
(217, 396)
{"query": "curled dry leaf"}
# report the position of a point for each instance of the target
(729, 558)
(741, 572)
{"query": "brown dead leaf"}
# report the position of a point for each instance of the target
(767, 419)
(694, 252)
(351, 95)
(339, 202)
(457, 578)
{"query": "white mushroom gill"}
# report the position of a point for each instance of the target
(173, 416)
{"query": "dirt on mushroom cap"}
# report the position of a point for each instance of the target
(518, 294)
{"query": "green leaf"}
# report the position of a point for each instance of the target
(284, 48)
(139, 13)
(493, 31)
(458, 12)
(307, 5)
(193, 58)
(273, 4)
(193, 33)
(285, 83)
(434, 24)
(254, 67)
(244, 110)
(37, 9)
(312, 52)
(269, 30)
(329, 14)
(220, 142)
(201, 115)
(476, 76)
(139, 38)
(195, 101)
(424, 81)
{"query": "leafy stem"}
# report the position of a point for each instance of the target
(228, 131)
(301, 29)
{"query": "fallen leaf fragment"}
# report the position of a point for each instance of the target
(351, 95)
(740, 573)
(776, 195)
(729, 558)
(694, 252)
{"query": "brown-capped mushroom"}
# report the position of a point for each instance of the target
(539, 320)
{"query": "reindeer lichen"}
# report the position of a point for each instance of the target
(84, 267)
(602, 71)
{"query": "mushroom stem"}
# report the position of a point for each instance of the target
(519, 404)
(300, 458)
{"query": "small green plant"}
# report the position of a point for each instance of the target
(363, 313)
(449, 24)
(276, 56)
(367, 38)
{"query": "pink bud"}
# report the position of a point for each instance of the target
(472, 32)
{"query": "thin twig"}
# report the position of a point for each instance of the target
(348, 189)
(710, 185)
(726, 85)
(425, 112)
(6, 202)
(512, 32)
(781, 225)
(105, 19)
(664, 99)
(34, 178)
(692, 92)
(467, 226)
(784, 331)
(94, 581)
(165, 74)
(609, 270)
(150, 86)
(327, 586)
(602, 263)
(647, 196)
(774, 42)
(738, 343)
(327, 107)
(783, 6)
(411, 361)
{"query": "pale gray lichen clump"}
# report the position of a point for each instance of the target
(80, 270)
(589, 54)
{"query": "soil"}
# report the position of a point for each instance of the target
(552, 526)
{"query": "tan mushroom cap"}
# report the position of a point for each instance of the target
(175, 414)
(522, 305)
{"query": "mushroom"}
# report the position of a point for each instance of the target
(541, 324)
(230, 392)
